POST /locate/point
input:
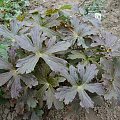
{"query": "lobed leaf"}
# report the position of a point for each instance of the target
(27, 65)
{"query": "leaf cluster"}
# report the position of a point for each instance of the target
(56, 55)
(10, 9)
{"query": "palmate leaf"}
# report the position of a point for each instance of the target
(111, 77)
(15, 26)
(26, 65)
(80, 30)
(84, 75)
(44, 22)
(109, 41)
(48, 82)
(15, 79)
(47, 91)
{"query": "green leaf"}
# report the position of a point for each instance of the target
(31, 102)
(4, 51)
(3, 101)
(76, 55)
(50, 98)
(34, 116)
(65, 7)
(51, 11)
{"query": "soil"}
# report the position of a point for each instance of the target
(106, 111)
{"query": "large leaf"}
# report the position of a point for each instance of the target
(56, 64)
(59, 46)
(47, 92)
(25, 43)
(84, 75)
(14, 78)
(80, 30)
(26, 65)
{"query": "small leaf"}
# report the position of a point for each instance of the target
(31, 102)
(65, 7)
(50, 98)
(51, 11)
